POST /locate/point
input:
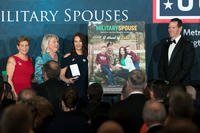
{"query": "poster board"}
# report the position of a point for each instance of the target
(108, 64)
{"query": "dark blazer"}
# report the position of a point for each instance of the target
(181, 62)
(69, 122)
(52, 90)
(129, 112)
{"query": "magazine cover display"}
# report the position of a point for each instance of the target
(115, 49)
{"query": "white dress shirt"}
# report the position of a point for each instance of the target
(172, 46)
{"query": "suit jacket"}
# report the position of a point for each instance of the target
(177, 70)
(52, 90)
(69, 122)
(129, 112)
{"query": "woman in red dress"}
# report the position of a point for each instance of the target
(20, 67)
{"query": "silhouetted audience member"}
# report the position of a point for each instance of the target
(53, 88)
(42, 112)
(181, 126)
(6, 96)
(180, 106)
(26, 94)
(154, 115)
(70, 120)
(159, 91)
(128, 112)
(16, 119)
(96, 109)
(110, 127)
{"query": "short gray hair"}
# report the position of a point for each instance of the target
(137, 79)
(154, 111)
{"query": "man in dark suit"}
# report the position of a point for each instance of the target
(177, 56)
(128, 112)
(53, 88)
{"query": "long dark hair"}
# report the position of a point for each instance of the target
(120, 56)
(84, 42)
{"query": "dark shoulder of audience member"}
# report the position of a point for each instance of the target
(16, 119)
(154, 115)
(70, 120)
(180, 104)
(6, 96)
(42, 112)
(52, 88)
(180, 126)
(159, 91)
(97, 109)
(128, 112)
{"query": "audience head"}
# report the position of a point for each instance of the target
(180, 126)
(159, 90)
(50, 43)
(79, 44)
(95, 92)
(40, 108)
(16, 119)
(110, 127)
(180, 104)
(136, 81)
(69, 99)
(51, 70)
(154, 112)
(26, 94)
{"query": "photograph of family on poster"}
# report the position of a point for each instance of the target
(115, 49)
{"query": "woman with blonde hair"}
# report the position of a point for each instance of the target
(50, 47)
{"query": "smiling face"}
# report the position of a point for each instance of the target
(23, 47)
(78, 43)
(53, 45)
(122, 51)
(174, 30)
(128, 49)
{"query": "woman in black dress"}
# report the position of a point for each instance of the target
(74, 70)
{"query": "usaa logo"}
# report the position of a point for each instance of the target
(187, 10)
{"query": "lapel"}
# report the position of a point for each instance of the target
(175, 51)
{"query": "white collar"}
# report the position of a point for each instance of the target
(135, 92)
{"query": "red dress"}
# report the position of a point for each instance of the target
(23, 74)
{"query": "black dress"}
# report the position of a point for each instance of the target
(81, 83)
